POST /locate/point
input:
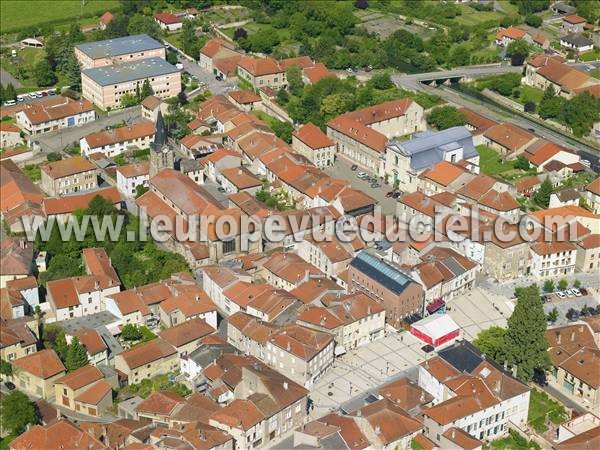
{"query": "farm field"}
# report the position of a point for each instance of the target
(17, 15)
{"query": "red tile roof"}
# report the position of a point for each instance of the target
(186, 332)
(312, 136)
(317, 72)
(97, 392)
(106, 18)
(444, 173)
(511, 33)
(574, 19)
(167, 18)
(67, 167)
(43, 364)
(71, 203)
(16, 188)
(121, 134)
(212, 46)
(244, 97)
(136, 169)
(81, 377)
(359, 132)
(91, 340)
(260, 66)
(510, 136)
(58, 435)
(594, 187)
(147, 352)
(160, 403)
(38, 112)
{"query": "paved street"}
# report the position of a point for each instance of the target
(58, 140)
(341, 170)
(563, 306)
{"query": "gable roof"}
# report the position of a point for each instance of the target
(43, 364)
(186, 332)
(147, 352)
(312, 136)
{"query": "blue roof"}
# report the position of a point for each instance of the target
(119, 46)
(121, 73)
(428, 148)
(381, 271)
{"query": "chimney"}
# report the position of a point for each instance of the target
(514, 371)
(289, 346)
(453, 433)
(22, 243)
(572, 336)
(359, 413)
(497, 386)
(377, 429)
(96, 285)
(285, 385)
(422, 398)
(197, 297)
(558, 337)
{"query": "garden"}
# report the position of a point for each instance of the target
(543, 410)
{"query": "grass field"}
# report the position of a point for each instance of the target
(471, 16)
(491, 163)
(590, 56)
(542, 407)
(20, 14)
(529, 94)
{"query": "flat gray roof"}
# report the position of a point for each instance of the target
(121, 73)
(119, 46)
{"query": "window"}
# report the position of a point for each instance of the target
(228, 246)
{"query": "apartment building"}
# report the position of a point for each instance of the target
(147, 360)
(118, 51)
(114, 141)
(312, 143)
(552, 259)
(68, 176)
(574, 353)
(331, 256)
(130, 176)
(505, 259)
(386, 283)
(261, 72)
(288, 271)
(36, 373)
(354, 320)
(61, 112)
(106, 86)
(470, 393)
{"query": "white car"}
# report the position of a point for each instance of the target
(362, 174)
(561, 294)
(570, 292)
(577, 292)
(10, 103)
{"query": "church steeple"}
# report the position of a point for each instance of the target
(161, 155)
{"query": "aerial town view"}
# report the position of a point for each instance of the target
(299, 224)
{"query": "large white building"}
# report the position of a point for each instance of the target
(55, 114)
(130, 176)
(114, 141)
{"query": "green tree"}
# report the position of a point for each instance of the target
(491, 342)
(522, 163)
(17, 411)
(518, 47)
(10, 93)
(580, 113)
(75, 34)
(294, 78)
(128, 100)
(140, 190)
(140, 24)
(76, 355)
(525, 344)
(44, 75)
(131, 332)
(553, 315)
(5, 368)
(381, 81)
(190, 44)
(577, 283)
(552, 107)
(542, 196)
(459, 55)
(283, 130)
(533, 20)
(146, 89)
(548, 286)
(443, 117)
(563, 284)
(53, 338)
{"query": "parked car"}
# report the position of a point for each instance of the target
(389, 194)
(45, 94)
(428, 348)
(354, 167)
(9, 385)
(375, 185)
(577, 292)
(583, 291)
(539, 377)
(397, 194)
(545, 298)
(561, 294)
(10, 103)
(221, 189)
(51, 92)
(362, 174)
(570, 293)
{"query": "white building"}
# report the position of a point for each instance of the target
(552, 259)
(130, 176)
(43, 117)
(115, 141)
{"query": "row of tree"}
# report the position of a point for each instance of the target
(579, 113)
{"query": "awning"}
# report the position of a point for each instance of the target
(435, 305)
(339, 350)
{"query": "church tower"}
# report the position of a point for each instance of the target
(161, 156)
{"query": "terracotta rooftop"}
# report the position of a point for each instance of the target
(444, 173)
(260, 66)
(16, 188)
(509, 136)
(389, 421)
(121, 134)
(312, 136)
(147, 353)
(160, 403)
(58, 435)
(186, 332)
(94, 394)
(135, 170)
(574, 19)
(43, 364)
(71, 203)
(60, 108)
(511, 33)
(81, 377)
(240, 414)
(244, 97)
(167, 18)
(241, 177)
(91, 340)
(67, 167)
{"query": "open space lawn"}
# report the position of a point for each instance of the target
(529, 94)
(471, 16)
(491, 163)
(542, 407)
(594, 55)
(18, 14)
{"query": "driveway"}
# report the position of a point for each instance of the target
(6, 79)
(341, 170)
(58, 140)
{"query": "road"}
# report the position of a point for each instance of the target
(216, 87)
(56, 141)
(6, 79)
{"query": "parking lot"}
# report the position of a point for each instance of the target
(341, 170)
(563, 305)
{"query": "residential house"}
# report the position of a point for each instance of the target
(260, 300)
(577, 42)
(186, 336)
(115, 141)
(212, 51)
(10, 135)
(168, 22)
(592, 196)
(574, 354)
(288, 271)
(239, 179)
(16, 259)
(21, 199)
(244, 100)
(118, 50)
(130, 176)
(151, 106)
(580, 432)
(573, 23)
(64, 208)
(18, 338)
(588, 254)
(354, 320)
(22, 296)
(146, 360)
(312, 143)
(543, 152)
(84, 391)
(261, 72)
(385, 282)
(94, 345)
(36, 373)
(331, 431)
(505, 259)
(53, 437)
(510, 140)
(509, 35)
(215, 280)
(470, 393)
(104, 20)
(476, 124)
(569, 196)
(38, 118)
(406, 160)
(68, 176)
(188, 305)
(220, 160)
(330, 255)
